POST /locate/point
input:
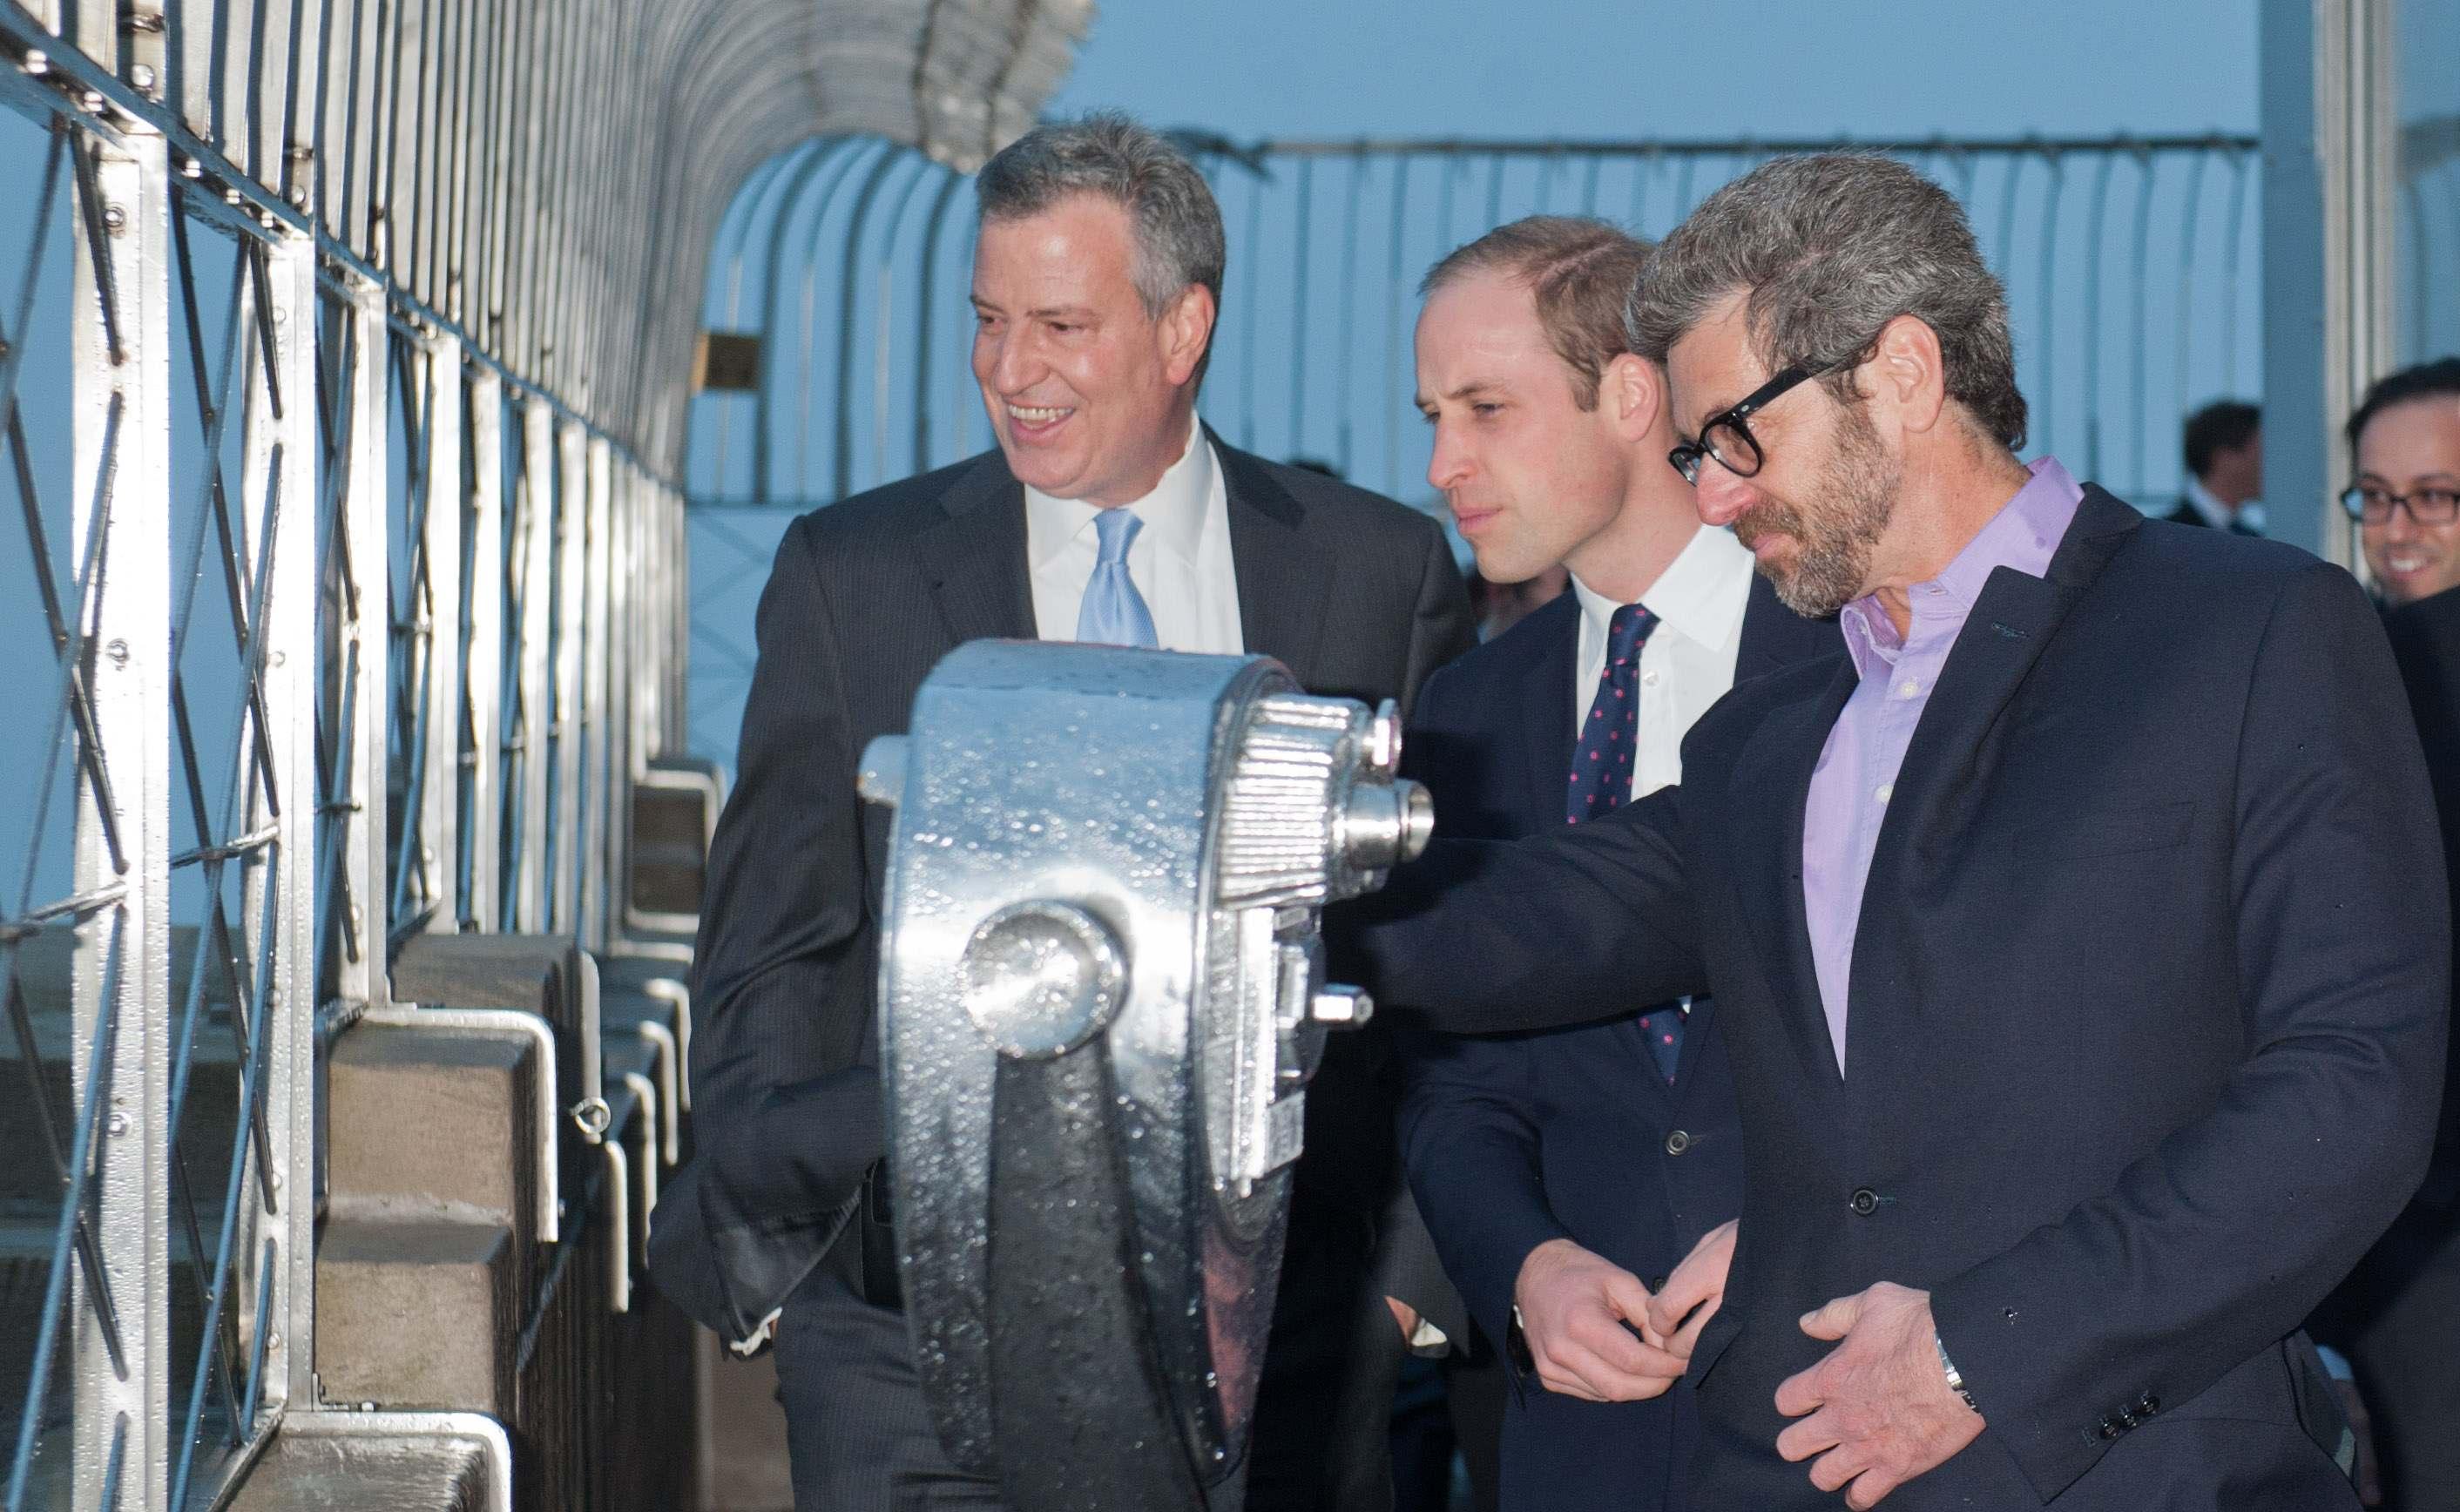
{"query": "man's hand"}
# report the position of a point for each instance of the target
(1574, 1306)
(1880, 1408)
(1692, 1294)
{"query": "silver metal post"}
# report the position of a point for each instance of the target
(363, 981)
(535, 524)
(438, 819)
(569, 622)
(120, 437)
(597, 741)
(484, 687)
(285, 438)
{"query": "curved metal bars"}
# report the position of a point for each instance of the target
(1293, 378)
(369, 330)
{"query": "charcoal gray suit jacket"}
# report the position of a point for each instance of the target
(1358, 596)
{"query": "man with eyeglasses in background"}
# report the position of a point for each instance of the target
(2398, 1315)
(2085, 1010)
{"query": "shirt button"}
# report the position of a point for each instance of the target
(1677, 1142)
(1884, 791)
(1864, 1201)
(1908, 688)
(1649, 679)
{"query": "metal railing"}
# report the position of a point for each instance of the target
(342, 360)
(2131, 265)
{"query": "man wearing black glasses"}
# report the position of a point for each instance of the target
(2085, 1007)
(2398, 1314)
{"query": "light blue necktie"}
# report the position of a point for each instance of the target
(1113, 612)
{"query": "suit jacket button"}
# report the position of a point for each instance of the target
(1677, 1143)
(2148, 1404)
(1864, 1201)
(2107, 1429)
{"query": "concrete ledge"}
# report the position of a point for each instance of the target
(417, 1310)
(325, 1461)
(443, 1116)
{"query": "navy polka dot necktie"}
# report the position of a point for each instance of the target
(1603, 762)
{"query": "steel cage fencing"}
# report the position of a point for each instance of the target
(2131, 265)
(344, 348)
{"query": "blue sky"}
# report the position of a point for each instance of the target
(1647, 68)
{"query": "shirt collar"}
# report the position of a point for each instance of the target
(2025, 535)
(2201, 500)
(1174, 513)
(1702, 593)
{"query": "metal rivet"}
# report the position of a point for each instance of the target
(37, 64)
(273, 1341)
(118, 652)
(298, 197)
(142, 76)
(119, 1123)
(91, 101)
(115, 219)
(276, 658)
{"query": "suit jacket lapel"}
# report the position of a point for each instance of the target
(975, 558)
(1285, 574)
(1548, 719)
(1772, 783)
(1952, 753)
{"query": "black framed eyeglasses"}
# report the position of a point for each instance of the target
(2427, 506)
(1727, 435)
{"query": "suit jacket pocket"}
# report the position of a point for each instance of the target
(2108, 831)
(1715, 1339)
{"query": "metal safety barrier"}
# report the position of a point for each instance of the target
(2129, 261)
(344, 358)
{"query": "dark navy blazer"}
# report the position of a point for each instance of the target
(1514, 1140)
(2150, 1000)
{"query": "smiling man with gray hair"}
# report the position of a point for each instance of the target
(1108, 513)
(2068, 1084)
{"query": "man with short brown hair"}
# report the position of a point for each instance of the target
(1556, 1170)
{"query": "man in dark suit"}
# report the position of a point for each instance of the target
(2224, 456)
(2069, 1079)
(1109, 513)
(2398, 1315)
(1555, 1170)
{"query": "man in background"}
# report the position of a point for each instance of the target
(2398, 1315)
(1110, 514)
(1555, 1170)
(2224, 445)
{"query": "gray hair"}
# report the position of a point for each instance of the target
(1179, 238)
(1827, 249)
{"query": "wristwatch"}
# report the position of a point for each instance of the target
(1955, 1376)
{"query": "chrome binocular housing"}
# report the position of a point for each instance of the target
(1102, 995)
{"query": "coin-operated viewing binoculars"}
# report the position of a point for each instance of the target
(1102, 995)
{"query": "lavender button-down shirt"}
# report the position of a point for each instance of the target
(1858, 768)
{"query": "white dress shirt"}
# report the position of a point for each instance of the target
(1687, 661)
(2248, 515)
(1179, 561)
